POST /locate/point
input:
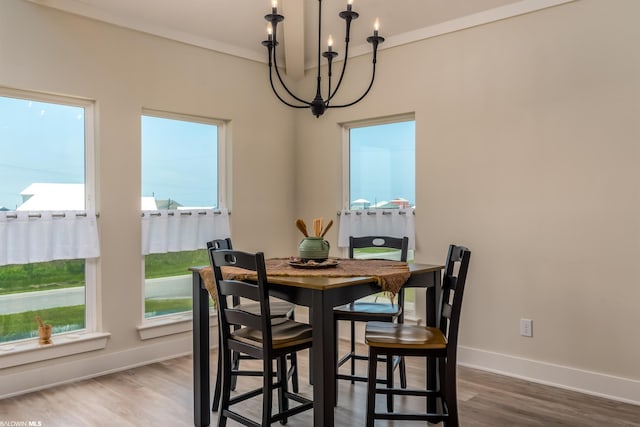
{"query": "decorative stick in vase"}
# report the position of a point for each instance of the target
(329, 224)
(317, 226)
(302, 227)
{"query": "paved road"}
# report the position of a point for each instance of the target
(173, 287)
(26, 301)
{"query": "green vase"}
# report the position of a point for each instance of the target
(314, 248)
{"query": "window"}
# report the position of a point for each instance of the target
(180, 172)
(46, 164)
(380, 175)
(381, 165)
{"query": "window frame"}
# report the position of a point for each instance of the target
(410, 308)
(346, 148)
(91, 264)
(166, 324)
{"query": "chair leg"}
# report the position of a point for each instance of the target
(267, 392)
(401, 365)
(226, 389)
(389, 382)
(294, 364)
(353, 350)
(235, 365)
(371, 387)
(450, 394)
(336, 352)
(310, 355)
(283, 402)
(218, 386)
(294, 370)
(403, 373)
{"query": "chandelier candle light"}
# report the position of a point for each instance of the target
(318, 105)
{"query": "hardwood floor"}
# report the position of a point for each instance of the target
(161, 395)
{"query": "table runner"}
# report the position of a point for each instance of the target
(390, 275)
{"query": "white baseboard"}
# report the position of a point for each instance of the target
(593, 383)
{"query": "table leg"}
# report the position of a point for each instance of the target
(323, 350)
(311, 366)
(201, 384)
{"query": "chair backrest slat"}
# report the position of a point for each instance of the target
(241, 289)
(243, 318)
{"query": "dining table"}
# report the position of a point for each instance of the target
(319, 289)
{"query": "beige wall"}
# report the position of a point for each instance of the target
(124, 71)
(527, 152)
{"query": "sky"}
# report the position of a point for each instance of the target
(382, 162)
(39, 142)
(179, 161)
(44, 142)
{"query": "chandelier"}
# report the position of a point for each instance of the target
(319, 104)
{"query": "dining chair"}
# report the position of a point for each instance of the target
(441, 342)
(365, 311)
(278, 309)
(258, 335)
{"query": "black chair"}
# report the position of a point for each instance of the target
(364, 311)
(391, 339)
(278, 309)
(257, 335)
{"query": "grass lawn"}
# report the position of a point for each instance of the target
(23, 325)
(63, 319)
(41, 276)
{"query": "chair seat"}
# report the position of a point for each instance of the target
(284, 332)
(393, 335)
(278, 308)
(367, 309)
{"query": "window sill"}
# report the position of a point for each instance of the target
(168, 325)
(29, 351)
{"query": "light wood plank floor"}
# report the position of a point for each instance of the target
(161, 395)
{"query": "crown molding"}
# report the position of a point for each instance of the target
(481, 18)
(82, 9)
(492, 15)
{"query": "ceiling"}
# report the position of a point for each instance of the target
(237, 27)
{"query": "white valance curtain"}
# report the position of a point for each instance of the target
(377, 222)
(28, 237)
(182, 230)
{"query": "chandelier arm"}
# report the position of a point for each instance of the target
(329, 55)
(373, 76)
(344, 68)
(275, 92)
(344, 64)
(326, 103)
(275, 62)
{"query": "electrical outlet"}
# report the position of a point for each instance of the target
(526, 327)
